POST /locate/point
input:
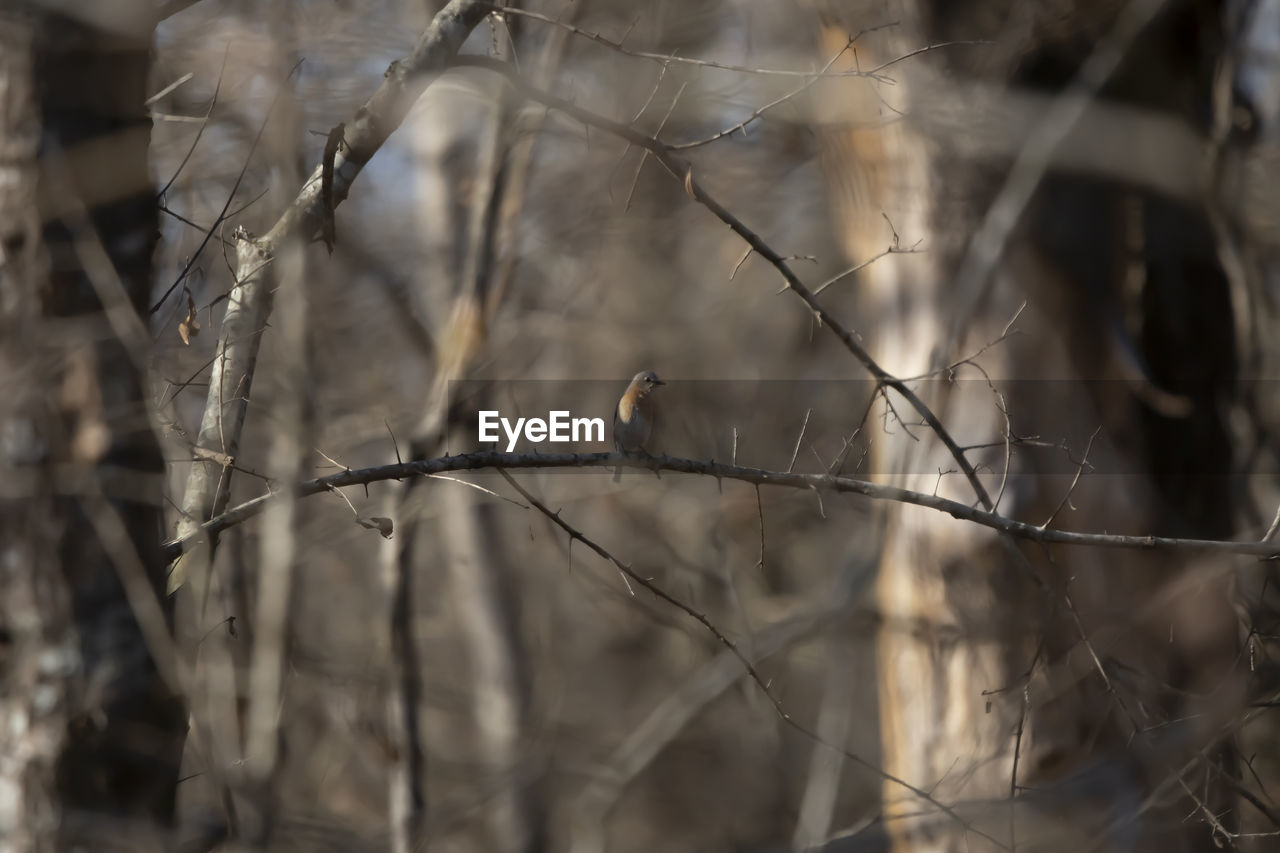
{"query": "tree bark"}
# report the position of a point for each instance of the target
(91, 732)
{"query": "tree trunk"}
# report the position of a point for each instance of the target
(1063, 683)
(91, 732)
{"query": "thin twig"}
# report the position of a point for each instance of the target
(889, 250)
(760, 513)
(1084, 462)
(644, 155)
(875, 73)
(799, 438)
(759, 111)
(235, 188)
(1275, 526)
(213, 102)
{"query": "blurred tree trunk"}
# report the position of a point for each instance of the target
(1004, 669)
(462, 199)
(90, 735)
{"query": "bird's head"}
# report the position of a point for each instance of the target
(645, 381)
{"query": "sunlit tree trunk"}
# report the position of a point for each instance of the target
(1038, 691)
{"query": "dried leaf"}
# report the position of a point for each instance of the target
(328, 232)
(383, 525)
(190, 325)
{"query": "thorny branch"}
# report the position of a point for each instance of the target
(683, 170)
(759, 476)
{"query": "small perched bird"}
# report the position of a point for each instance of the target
(633, 419)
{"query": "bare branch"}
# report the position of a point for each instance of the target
(711, 468)
(249, 306)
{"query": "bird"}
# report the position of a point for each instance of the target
(634, 417)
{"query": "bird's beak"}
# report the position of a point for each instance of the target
(658, 382)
